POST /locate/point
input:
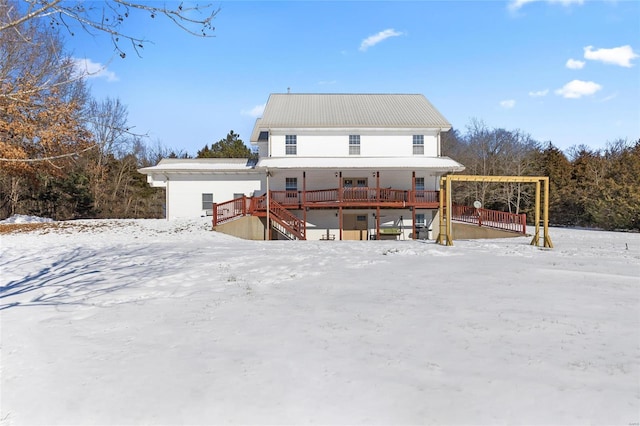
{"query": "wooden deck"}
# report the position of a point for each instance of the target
(356, 198)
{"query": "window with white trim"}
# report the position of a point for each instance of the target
(418, 144)
(420, 219)
(354, 144)
(419, 184)
(291, 144)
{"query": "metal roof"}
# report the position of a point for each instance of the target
(201, 165)
(293, 110)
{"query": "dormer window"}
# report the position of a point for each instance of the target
(418, 144)
(291, 145)
(354, 144)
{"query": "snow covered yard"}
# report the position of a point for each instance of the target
(155, 322)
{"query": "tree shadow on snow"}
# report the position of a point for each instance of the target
(81, 275)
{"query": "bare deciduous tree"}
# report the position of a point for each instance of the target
(107, 16)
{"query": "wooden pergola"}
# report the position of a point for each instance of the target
(446, 237)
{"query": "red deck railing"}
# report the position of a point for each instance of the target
(364, 196)
(229, 210)
(491, 218)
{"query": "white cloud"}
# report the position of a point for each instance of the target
(622, 55)
(86, 68)
(577, 88)
(508, 103)
(377, 38)
(256, 111)
(515, 5)
(575, 64)
(539, 93)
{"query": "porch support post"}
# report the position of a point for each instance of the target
(340, 221)
(268, 209)
(377, 186)
(413, 187)
(340, 188)
(378, 222)
(304, 202)
(413, 208)
(449, 211)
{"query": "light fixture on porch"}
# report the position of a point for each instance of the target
(336, 174)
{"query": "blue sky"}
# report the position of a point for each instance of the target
(565, 71)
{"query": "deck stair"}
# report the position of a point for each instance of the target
(282, 221)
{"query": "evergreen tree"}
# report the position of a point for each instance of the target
(230, 147)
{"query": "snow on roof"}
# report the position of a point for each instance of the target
(292, 110)
(195, 165)
(432, 163)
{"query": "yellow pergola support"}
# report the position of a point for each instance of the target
(446, 204)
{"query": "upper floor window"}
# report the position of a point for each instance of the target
(418, 144)
(419, 184)
(354, 144)
(291, 145)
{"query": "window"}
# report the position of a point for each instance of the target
(419, 184)
(207, 201)
(263, 137)
(238, 195)
(354, 144)
(420, 220)
(291, 145)
(418, 144)
(291, 187)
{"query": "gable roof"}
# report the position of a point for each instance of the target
(293, 110)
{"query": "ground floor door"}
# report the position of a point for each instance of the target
(355, 226)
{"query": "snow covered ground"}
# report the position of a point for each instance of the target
(155, 322)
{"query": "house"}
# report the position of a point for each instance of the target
(331, 166)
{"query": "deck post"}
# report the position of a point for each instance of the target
(214, 215)
(340, 221)
(378, 222)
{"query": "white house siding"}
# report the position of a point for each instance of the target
(327, 179)
(372, 143)
(184, 191)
